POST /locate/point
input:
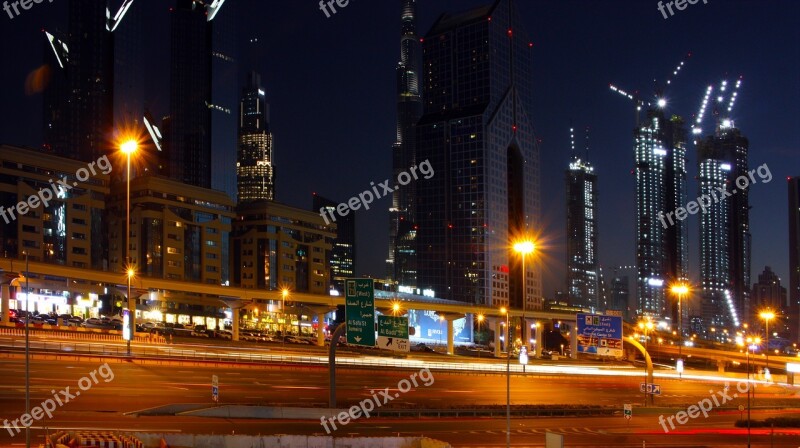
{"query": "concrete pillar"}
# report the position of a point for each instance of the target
(573, 342)
(505, 336)
(450, 336)
(235, 323)
(5, 291)
(721, 365)
(496, 325)
(321, 329)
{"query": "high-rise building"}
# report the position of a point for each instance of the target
(477, 133)
(189, 140)
(225, 90)
(582, 268)
(255, 176)
(274, 246)
(343, 254)
(401, 264)
(724, 229)
(79, 109)
(661, 244)
(794, 257)
(767, 294)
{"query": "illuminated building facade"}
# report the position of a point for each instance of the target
(401, 264)
(724, 229)
(794, 257)
(478, 135)
(582, 268)
(178, 231)
(661, 245)
(275, 246)
(254, 171)
(343, 254)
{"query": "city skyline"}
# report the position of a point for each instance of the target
(611, 133)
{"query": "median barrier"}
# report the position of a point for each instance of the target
(285, 441)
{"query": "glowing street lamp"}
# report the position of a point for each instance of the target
(767, 315)
(129, 147)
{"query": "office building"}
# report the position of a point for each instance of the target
(767, 294)
(189, 138)
(255, 176)
(401, 264)
(478, 136)
(178, 231)
(342, 256)
(661, 243)
(66, 225)
(274, 246)
(724, 229)
(794, 257)
(582, 268)
(78, 115)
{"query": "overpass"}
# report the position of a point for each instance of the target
(235, 298)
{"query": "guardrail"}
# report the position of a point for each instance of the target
(86, 334)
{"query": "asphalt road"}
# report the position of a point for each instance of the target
(136, 387)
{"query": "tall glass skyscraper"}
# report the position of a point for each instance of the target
(342, 256)
(582, 268)
(189, 144)
(724, 229)
(794, 256)
(255, 174)
(477, 134)
(661, 246)
(401, 264)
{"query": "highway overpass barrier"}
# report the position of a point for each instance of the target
(101, 439)
(79, 333)
(179, 440)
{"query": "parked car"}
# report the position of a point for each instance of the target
(200, 331)
(223, 334)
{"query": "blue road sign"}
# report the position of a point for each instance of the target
(600, 334)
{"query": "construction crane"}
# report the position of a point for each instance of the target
(720, 110)
(660, 100)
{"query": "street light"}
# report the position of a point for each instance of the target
(129, 147)
(750, 344)
(504, 310)
(680, 289)
(767, 316)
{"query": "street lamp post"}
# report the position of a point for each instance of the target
(129, 147)
(767, 316)
(680, 290)
(27, 350)
(508, 379)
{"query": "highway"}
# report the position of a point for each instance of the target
(138, 386)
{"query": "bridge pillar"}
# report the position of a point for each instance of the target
(573, 342)
(450, 336)
(721, 365)
(235, 323)
(5, 291)
(321, 329)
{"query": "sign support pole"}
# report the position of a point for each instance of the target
(332, 363)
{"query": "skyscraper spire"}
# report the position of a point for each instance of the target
(401, 263)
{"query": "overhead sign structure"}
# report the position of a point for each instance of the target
(360, 311)
(650, 388)
(627, 410)
(599, 334)
(215, 388)
(393, 333)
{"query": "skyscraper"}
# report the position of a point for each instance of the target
(255, 176)
(343, 253)
(401, 264)
(661, 245)
(189, 140)
(582, 269)
(768, 294)
(724, 229)
(79, 118)
(794, 256)
(477, 133)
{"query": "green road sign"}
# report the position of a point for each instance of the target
(393, 333)
(360, 311)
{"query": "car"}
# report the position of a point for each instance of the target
(200, 331)
(547, 354)
(421, 347)
(223, 334)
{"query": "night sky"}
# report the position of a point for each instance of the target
(330, 83)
